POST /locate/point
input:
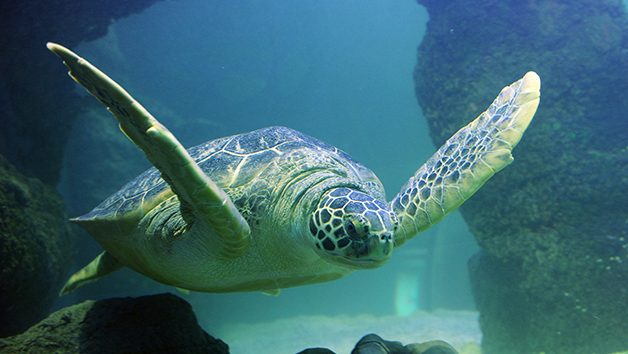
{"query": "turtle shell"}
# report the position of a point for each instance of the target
(231, 162)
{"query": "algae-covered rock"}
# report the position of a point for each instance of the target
(150, 324)
(553, 226)
(36, 249)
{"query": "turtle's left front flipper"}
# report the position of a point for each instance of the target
(195, 190)
(467, 160)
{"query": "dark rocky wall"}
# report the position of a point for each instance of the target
(555, 222)
(37, 248)
(37, 105)
(37, 108)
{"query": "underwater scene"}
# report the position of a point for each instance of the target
(319, 208)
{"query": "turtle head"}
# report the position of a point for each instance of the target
(353, 229)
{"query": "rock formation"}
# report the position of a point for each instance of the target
(553, 273)
(36, 249)
(37, 109)
(150, 324)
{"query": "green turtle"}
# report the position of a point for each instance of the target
(275, 208)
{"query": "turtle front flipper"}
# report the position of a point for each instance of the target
(467, 160)
(196, 191)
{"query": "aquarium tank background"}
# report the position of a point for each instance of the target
(549, 273)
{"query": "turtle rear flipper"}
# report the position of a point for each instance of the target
(467, 160)
(102, 265)
(196, 191)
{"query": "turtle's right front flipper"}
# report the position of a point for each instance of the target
(467, 160)
(194, 189)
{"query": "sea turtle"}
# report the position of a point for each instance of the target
(275, 208)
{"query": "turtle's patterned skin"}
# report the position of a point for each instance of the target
(275, 208)
(334, 229)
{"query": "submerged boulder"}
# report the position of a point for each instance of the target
(374, 344)
(161, 323)
(36, 249)
(553, 227)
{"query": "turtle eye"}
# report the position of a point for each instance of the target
(351, 229)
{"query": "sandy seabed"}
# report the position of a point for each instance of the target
(341, 333)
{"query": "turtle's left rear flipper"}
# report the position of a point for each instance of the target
(102, 265)
(163, 150)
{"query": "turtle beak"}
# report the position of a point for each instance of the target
(371, 253)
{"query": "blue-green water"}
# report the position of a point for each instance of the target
(552, 275)
(339, 71)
